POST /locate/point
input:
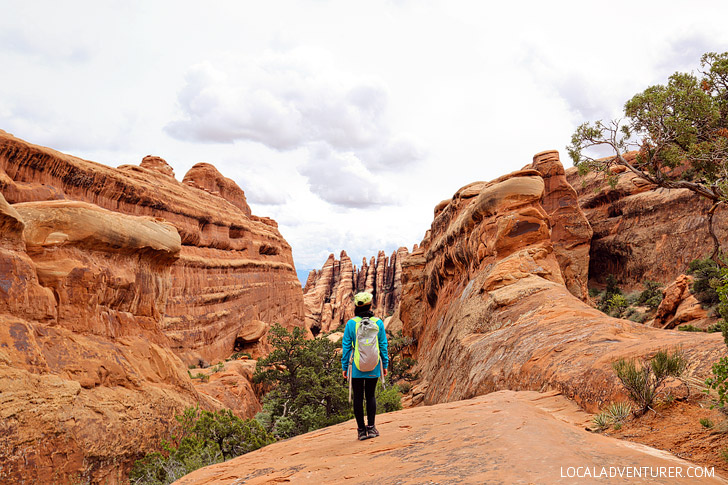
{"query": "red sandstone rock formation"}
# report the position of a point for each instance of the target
(485, 297)
(642, 232)
(82, 354)
(505, 437)
(157, 164)
(570, 231)
(231, 386)
(206, 177)
(111, 282)
(232, 269)
(329, 292)
(679, 307)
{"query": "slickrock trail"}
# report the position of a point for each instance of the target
(503, 437)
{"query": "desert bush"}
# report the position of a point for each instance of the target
(199, 375)
(202, 438)
(619, 411)
(706, 278)
(405, 387)
(706, 423)
(238, 356)
(617, 305)
(612, 287)
(400, 367)
(614, 415)
(389, 399)
(724, 454)
(612, 301)
(719, 380)
(689, 328)
(601, 421)
(308, 392)
(644, 380)
(638, 317)
(651, 296)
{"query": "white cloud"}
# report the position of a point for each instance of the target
(342, 179)
(329, 113)
(288, 100)
(278, 101)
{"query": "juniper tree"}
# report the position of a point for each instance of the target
(305, 376)
(677, 133)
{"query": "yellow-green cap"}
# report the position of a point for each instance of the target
(363, 298)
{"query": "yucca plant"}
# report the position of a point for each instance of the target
(601, 421)
(619, 411)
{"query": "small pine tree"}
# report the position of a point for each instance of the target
(307, 389)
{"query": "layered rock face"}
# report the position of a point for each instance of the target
(571, 232)
(112, 281)
(486, 298)
(233, 268)
(470, 441)
(642, 232)
(329, 292)
(82, 354)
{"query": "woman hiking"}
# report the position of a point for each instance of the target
(364, 360)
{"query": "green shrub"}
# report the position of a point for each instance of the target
(203, 438)
(614, 415)
(719, 382)
(706, 423)
(609, 304)
(238, 356)
(405, 387)
(689, 328)
(601, 421)
(643, 381)
(594, 292)
(199, 375)
(638, 317)
(706, 278)
(616, 305)
(308, 391)
(651, 296)
(400, 367)
(724, 454)
(619, 411)
(612, 287)
(388, 399)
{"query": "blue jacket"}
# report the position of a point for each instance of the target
(347, 346)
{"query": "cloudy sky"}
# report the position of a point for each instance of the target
(345, 121)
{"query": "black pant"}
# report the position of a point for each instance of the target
(361, 386)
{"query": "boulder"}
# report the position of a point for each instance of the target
(252, 331)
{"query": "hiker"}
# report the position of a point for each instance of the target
(364, 360)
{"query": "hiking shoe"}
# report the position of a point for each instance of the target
(372, 432)
(362, 434)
